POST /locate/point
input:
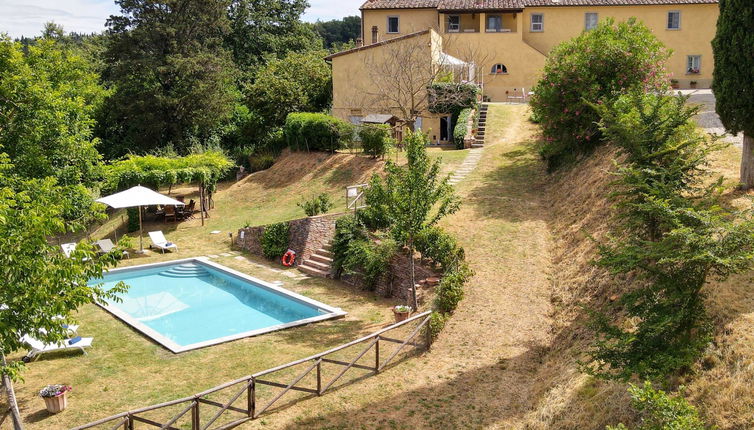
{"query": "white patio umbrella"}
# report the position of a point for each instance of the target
(137, 197)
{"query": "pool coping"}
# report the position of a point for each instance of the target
(332, 312)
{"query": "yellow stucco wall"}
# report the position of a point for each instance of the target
(698, 24)
(409, 21)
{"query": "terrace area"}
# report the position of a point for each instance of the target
(483, 22)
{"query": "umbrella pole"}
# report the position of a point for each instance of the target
(141, 234)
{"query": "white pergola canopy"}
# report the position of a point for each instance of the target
(137, 197)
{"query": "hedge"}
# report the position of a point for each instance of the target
(459, 132)
(316, 132)
(375, 139)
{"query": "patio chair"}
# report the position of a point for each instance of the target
(159, 241)
(190, 208)
(38, 347)
(106, 245)
(170, 213)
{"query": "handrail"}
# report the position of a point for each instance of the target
(126, 419)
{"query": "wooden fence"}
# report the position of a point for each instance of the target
(204, 411)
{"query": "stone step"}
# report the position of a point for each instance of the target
(477, 145)
(313, 271)
(318, 265)
(322, 259)
(324, 252)
(327, 247)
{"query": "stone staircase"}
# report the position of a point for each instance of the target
(319, 264)
(481, 127)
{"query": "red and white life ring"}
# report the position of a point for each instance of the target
(289, 258)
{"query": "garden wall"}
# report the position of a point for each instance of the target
(397, 280)
(306, 235)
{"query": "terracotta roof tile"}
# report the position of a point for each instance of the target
(480, 4)
(614, 2)
(514, 4)
(399, 4)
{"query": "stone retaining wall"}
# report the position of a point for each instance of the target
(306, 235)
(397, 281)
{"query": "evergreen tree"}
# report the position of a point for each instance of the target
(733, 81)
(339, 31)
(173, 77)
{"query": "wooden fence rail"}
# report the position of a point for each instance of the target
(247, 386)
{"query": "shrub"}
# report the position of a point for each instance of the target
(593, 67)
(375, 139)
(275, 240)
(317, 205)
(659, 411)
(671, 233)
(433, 243)
(451, 97)
(262, 161)
(436, 323)
(450, 291)
(347, 229)
(370, 259)
(133, 219)
(316, 132)
(459, 132)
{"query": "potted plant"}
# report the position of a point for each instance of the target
(674, 84)
(692, 84)
(401, 312)
(55, 397)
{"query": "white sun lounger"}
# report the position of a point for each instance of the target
(159, 241)
(68, 248)
(38, 347)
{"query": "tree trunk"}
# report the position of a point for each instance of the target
(414, 302)
(747, 162)
(11, 398)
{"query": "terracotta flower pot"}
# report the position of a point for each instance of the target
(401, 316)
(56, 404)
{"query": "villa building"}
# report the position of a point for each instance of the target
(501, 45)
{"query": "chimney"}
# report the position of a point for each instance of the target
(359, 42)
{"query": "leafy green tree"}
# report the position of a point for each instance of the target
(413, 197)
(339, 31)
(48, 98)
(298, 82)
(733, 80)
(593, 68)
(173, 77)
(672, 235)
(41, 287)
(260, 28)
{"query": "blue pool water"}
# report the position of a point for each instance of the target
(193, 303)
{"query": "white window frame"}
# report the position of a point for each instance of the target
(487, 23)
(458, 28)
(541, 24)
(667, 20)
(503, 68)
(690, 64)
(587, 15)
(397, 24)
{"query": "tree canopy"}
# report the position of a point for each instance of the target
(733, 79)
(339, 31)
(173, 78)
(298, 82)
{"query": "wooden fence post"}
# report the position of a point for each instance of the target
(377, 355)
(253, 401)
(195, 422)
(319, 377)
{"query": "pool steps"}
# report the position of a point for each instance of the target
(186, 271)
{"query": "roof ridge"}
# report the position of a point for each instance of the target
(472, 5)
(374, 45)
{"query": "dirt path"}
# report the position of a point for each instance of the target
(479, 372)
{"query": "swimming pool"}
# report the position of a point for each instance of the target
(193, 303)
